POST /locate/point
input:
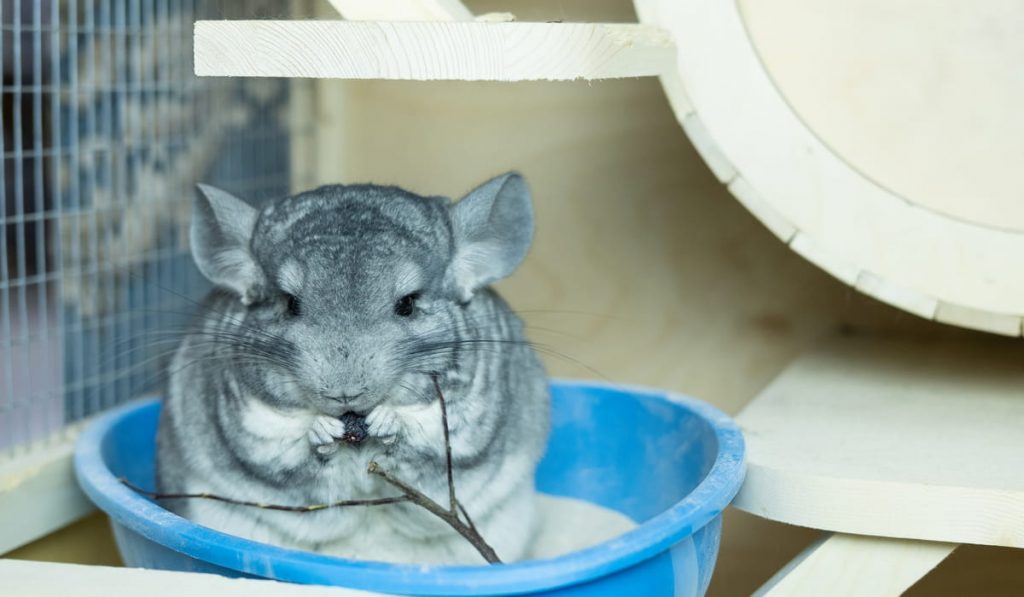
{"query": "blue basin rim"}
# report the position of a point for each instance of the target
(703, 504)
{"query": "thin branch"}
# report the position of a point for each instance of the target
(447, 445)
(465, 515)
(301, 509)
(421, 500)
(451, 515)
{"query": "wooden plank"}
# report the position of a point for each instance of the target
(909, 439)
(39, 494)
(851, 565)
(44, 579)
(474, 51)
(402, 10)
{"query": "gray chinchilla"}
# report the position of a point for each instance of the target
(351, 298)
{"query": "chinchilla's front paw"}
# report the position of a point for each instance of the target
(384, 423)
(325, 433)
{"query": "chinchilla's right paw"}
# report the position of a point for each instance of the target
(325, 434)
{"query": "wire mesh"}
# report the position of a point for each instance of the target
(105, 133)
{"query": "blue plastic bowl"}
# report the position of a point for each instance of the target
(668, 462)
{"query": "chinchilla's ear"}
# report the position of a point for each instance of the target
(493, 228)
(222, 226)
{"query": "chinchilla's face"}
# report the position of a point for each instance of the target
(355, 282)
(351, 292)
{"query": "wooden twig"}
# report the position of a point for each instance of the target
(219, 498)
(465, 515)
(451, 514)
(447, 444)
(421, 500)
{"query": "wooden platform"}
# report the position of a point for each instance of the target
(896, 439)
(893, 438)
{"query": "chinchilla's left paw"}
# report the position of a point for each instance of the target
(384, 423)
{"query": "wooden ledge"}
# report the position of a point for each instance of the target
(422, 51)
(909, 439)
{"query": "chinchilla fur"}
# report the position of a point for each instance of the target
(353, 298)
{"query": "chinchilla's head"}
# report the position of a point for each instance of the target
(350, 290)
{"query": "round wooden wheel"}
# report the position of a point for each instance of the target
(879, 142)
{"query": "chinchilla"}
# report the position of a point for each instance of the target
(353, 299)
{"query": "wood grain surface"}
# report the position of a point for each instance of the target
(425, 51)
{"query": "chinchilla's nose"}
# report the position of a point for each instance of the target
(344, 394)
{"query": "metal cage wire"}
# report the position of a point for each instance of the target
(105, 133)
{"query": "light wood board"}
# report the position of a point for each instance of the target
(38, 491)
(430, 50)
(949, 256)
(894, 438)
(39, 579)
(852, 565)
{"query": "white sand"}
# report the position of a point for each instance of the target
(568, 525)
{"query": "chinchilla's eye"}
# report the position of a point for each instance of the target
(294, 305)
(406, 305)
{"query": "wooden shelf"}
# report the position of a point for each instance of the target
(893, 438)
(425, 51)
(917, 444)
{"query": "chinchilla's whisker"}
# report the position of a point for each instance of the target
(574, 313)
(133, 353)
(489, 344)
(205, 310)
(482, 322)
(419, 394)
(229, 338)
(234, 359)
(485, 322)
(239, 344)
(161, 373)
(251, 359)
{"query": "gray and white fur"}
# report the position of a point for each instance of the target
(350, 298)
